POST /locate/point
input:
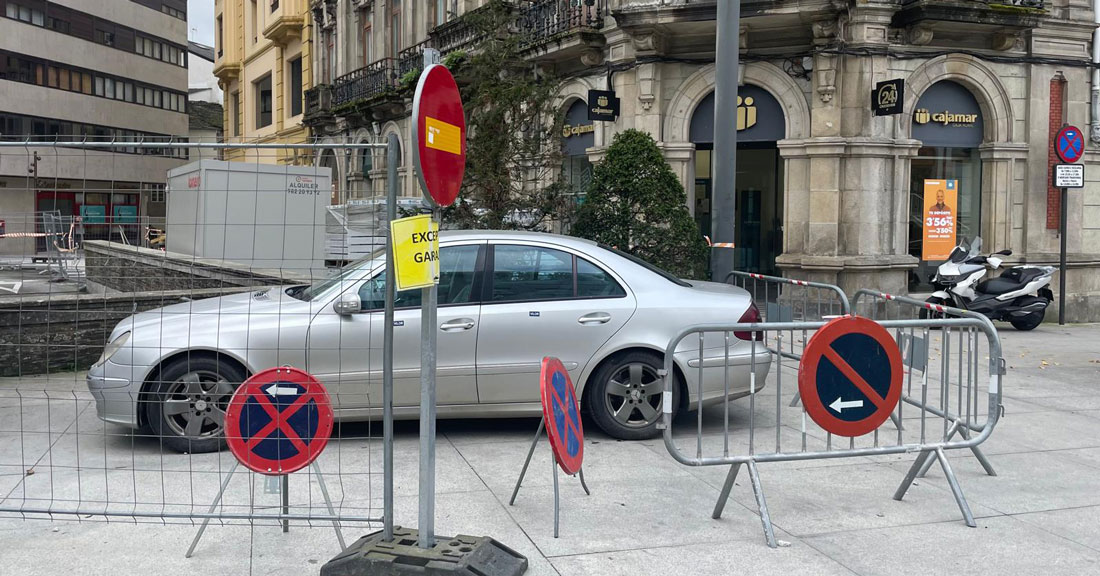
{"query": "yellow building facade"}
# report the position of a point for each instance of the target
(263, 62)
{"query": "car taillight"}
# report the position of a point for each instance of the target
(751, 316)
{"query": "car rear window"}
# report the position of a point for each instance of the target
(658, 271)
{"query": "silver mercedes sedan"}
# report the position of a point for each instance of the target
(506, 300)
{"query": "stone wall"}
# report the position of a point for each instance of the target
(135, 269)
(65, 332)
(42, 334)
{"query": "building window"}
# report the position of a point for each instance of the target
(262, 90)
(254, 21)
(368, 37)
(219, 39)
(235, 114)
(395, 28)
(440, 13)
(25, 14)
(296, 86)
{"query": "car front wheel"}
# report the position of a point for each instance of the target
(625, 393)
(187, 408)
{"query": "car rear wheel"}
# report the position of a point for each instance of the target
(187, 409)
(625, 393)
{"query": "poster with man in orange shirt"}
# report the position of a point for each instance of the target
(941, 201)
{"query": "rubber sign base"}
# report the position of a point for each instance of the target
(461, 554)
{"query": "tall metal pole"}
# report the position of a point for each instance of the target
(427, 411)
(1063, 226)
(428, 333)
(393, 150)
(724, 199)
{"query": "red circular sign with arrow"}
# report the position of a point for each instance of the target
(439, 134)
(563, 416)
(278, 421)
(850, 376)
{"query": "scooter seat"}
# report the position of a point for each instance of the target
(998, 286)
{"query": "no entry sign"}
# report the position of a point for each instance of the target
(1069, 144)
(563, 416)
(278, 421)
(439, 133)
(850, 376)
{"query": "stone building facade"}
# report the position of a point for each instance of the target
(826, 189)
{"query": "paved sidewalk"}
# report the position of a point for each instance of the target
(649, 515)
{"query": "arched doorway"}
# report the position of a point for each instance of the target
(328, 160)
(946, 177)
(578, 135)
(760, 125)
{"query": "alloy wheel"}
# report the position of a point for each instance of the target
(634, 395)
(195, 404)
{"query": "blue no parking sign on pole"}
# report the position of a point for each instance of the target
(850, 376)
(1069, 144)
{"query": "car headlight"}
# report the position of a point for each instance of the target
(112, 347)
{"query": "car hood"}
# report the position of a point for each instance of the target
(264, 302)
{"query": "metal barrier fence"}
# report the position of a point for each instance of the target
(942, 395)
(786, 299)
(119, 354)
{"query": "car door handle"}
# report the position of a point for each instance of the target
(457, 325)
(594, 318)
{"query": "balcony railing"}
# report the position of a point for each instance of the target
(457, 34)
(545, 20)
(368, 82)
(410, 59)
(1036, 4)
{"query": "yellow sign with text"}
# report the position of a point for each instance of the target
(416, 251)
(941, 202)
(442, 136)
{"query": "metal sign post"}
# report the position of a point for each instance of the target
(393, 152)
(1069, 145)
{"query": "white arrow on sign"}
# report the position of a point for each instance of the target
(276, 390)
(838, 405)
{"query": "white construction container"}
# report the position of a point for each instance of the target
(261, 216)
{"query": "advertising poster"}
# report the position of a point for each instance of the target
(941, 203)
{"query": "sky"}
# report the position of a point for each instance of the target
(200, 21)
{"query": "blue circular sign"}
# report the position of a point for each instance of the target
(1069, 144)
(563, 416)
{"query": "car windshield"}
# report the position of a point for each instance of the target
(350, 273)
(658, 271)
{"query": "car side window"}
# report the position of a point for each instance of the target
(457, 269)
(593, 282)
(526, 273)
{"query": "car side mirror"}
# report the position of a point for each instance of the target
(1005, 253)
(347, 304)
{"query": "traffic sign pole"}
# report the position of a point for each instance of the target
(1062, 232)
(393, 151)
(427, 410)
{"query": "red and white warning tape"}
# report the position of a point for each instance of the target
(719, 244)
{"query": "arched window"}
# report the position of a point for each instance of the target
(328, 160)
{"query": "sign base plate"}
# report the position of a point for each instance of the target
(458, 555)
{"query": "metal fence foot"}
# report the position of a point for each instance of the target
(762, 504)
(213, 506)
(956, 489)
(328, 504)
(897, 422)
(725, 495)
(954, 429)
(979, 454)
(912, 474)
(527, 462)
(583, 485)
(797, 398)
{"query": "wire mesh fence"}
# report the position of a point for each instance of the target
(140, 284)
